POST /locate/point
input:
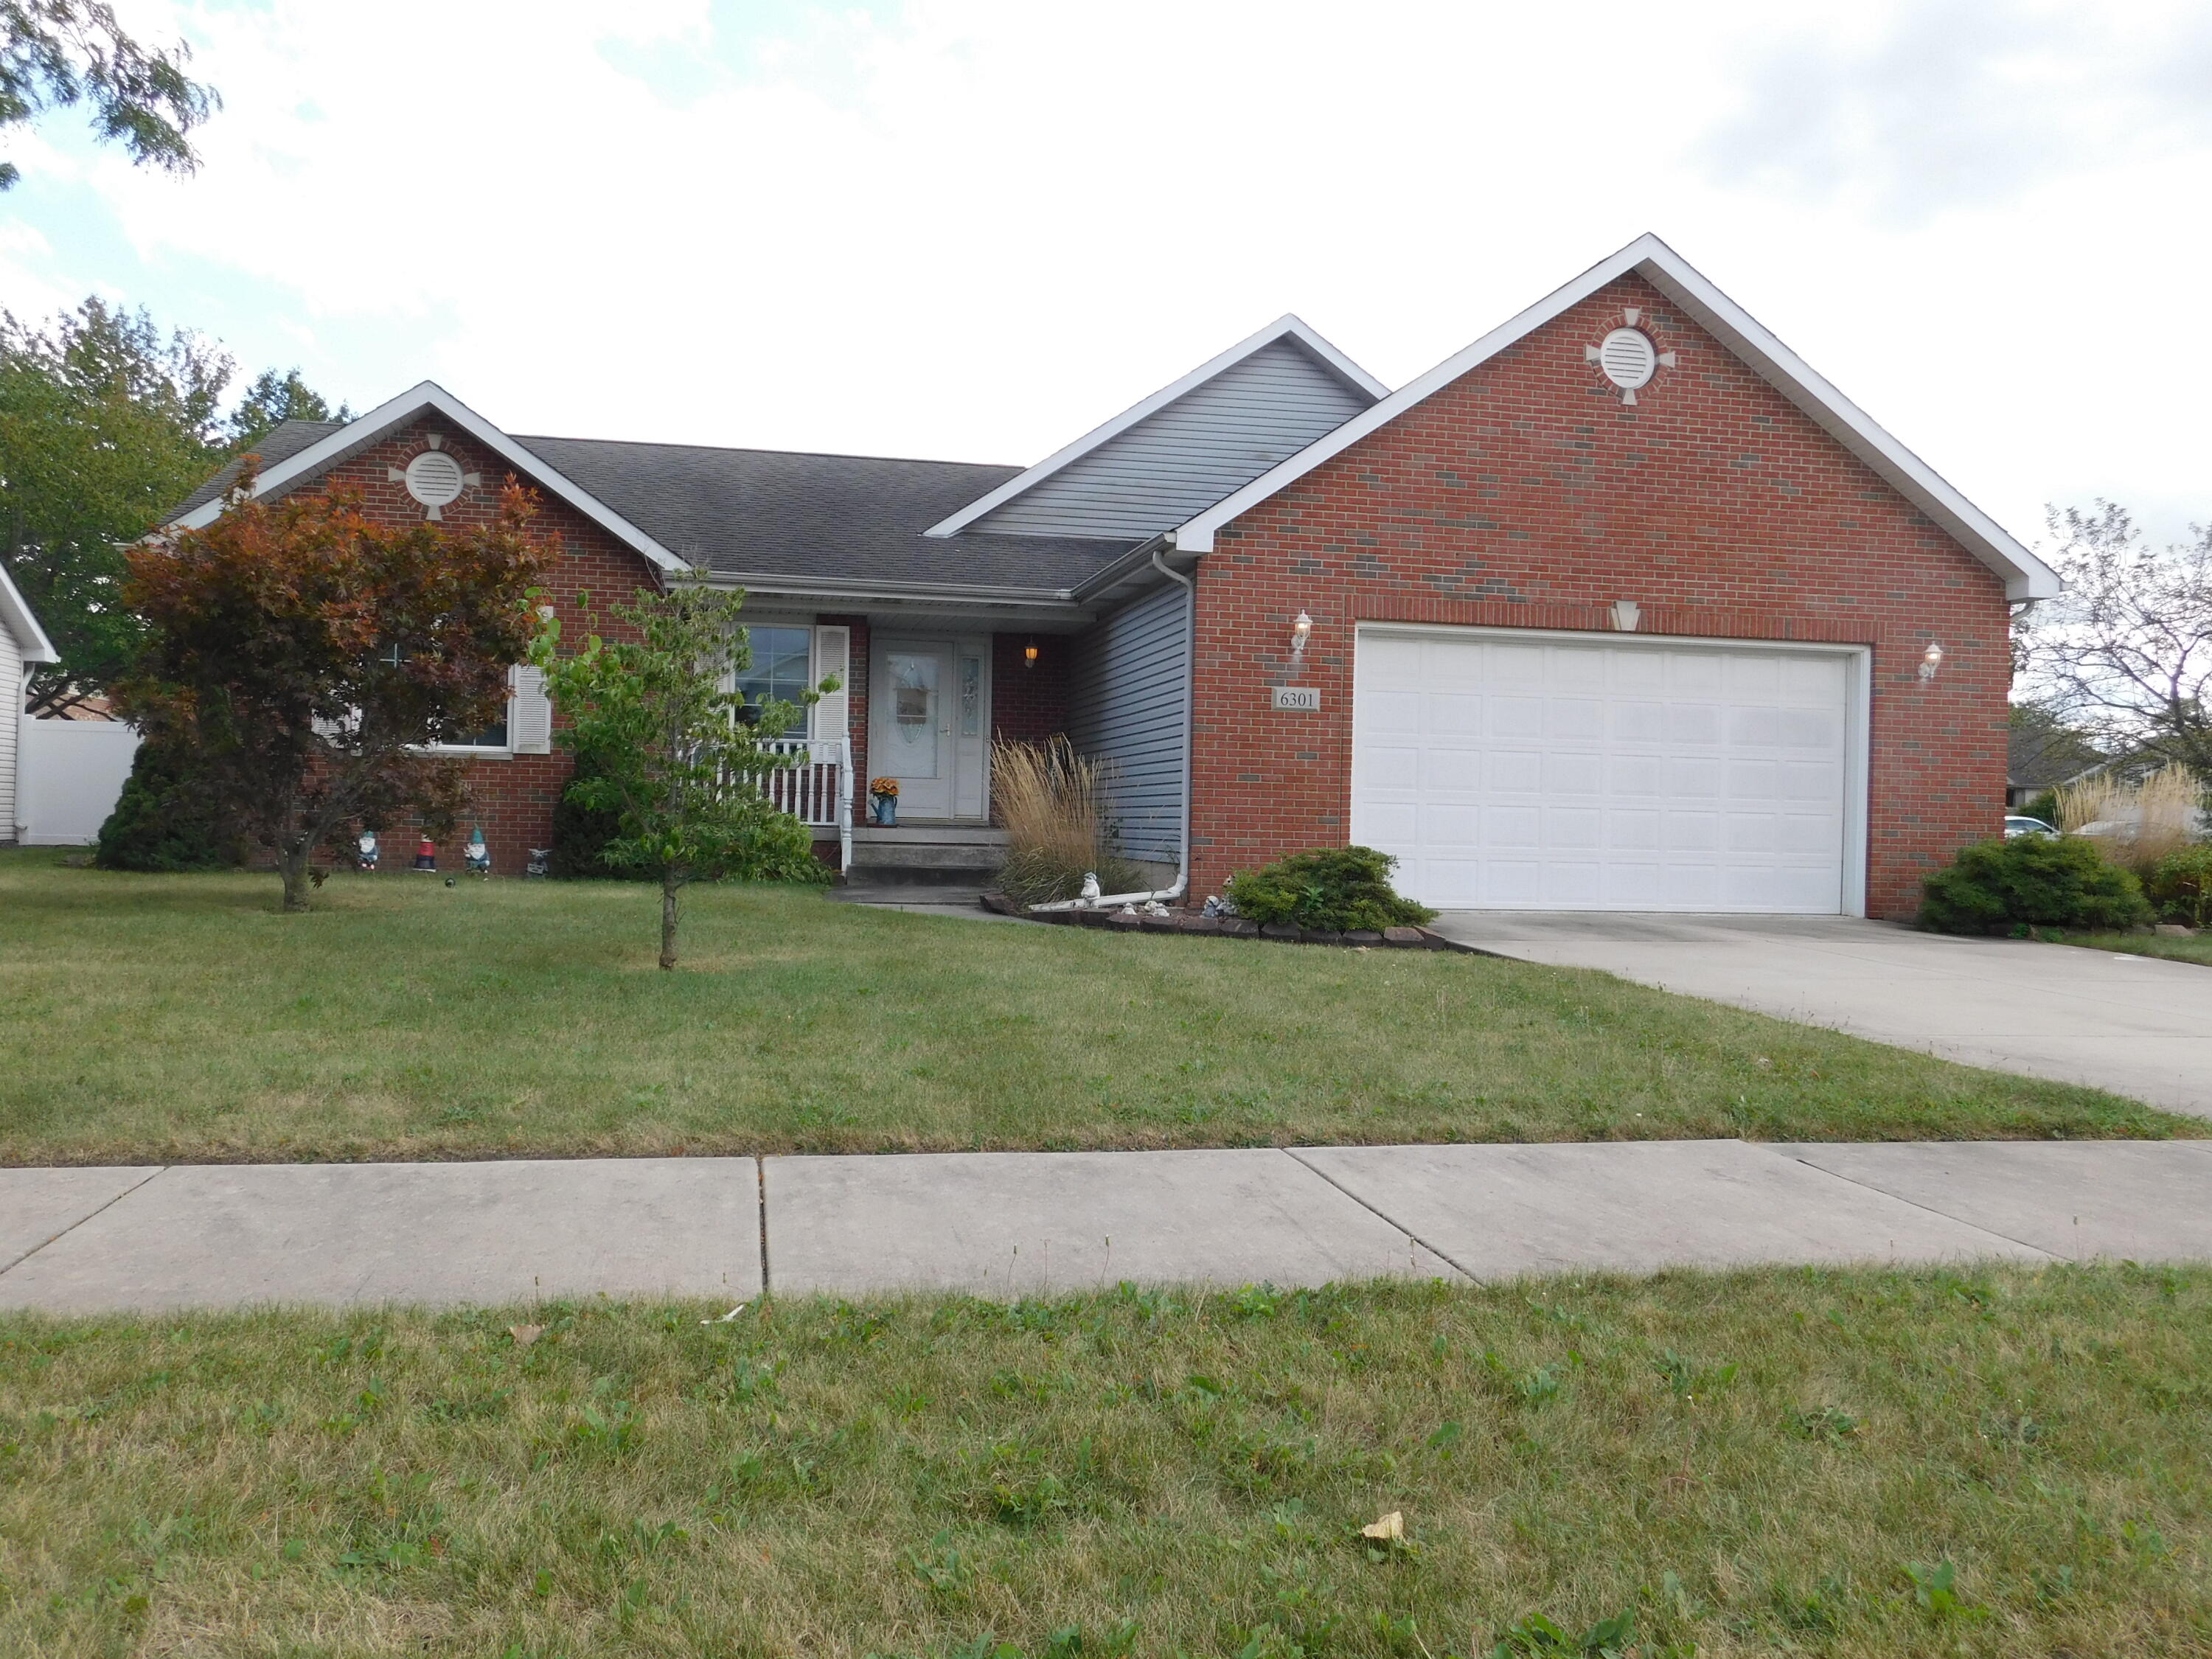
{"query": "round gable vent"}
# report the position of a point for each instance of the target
(434, 478)
(1628, 358)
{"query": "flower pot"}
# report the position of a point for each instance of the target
(886, 808)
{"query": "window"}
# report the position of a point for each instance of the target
(491, 737)
(779, 672)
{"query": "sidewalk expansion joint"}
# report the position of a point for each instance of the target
(760, 1171)
(1927, 1209)
(11, 1267)
(1443, 1256)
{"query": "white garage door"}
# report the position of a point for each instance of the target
(1565, 772)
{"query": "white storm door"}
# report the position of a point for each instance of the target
(1564, 772)
(910, 735)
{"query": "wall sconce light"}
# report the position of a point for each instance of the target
(1930, 660)
(1625, 615)
(1301, 631)
(1030, 654)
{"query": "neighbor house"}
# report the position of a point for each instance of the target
(22, 642)
(1622, 607)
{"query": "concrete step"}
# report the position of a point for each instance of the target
(926, 852)
(929, 835)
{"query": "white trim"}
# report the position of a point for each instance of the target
(2025, 576)
(1859, 703)
(429, 395)
(1285, 327)
(15, 613)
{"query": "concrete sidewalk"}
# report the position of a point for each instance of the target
(1014, 1223)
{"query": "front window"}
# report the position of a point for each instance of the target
(489, 736)
(779, 672)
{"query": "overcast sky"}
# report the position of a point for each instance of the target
(973, 229)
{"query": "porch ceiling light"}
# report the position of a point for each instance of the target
(1930, 660)
(1301, 631)
(1030, 654)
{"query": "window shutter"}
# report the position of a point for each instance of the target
(833, 654)
(530, 714)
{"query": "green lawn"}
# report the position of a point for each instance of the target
(2003, 1463)
(2173, 947)
(155, 1018)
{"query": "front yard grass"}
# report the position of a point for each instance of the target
(182, 1017)
(2003, 1462)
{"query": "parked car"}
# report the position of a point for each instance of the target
(2018, 824)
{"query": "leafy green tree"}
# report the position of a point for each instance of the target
(106, 425)
(273, 399)
(302, 656)
(56, 54)
(681, 758)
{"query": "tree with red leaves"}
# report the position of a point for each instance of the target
(305, 657)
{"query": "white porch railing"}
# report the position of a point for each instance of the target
(817, 789)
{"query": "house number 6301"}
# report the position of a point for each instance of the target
(1302, 699)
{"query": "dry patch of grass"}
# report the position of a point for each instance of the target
(182, 1017)
(1991, 1463)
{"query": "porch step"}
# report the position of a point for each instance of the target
(926, 852)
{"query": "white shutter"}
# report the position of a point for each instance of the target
(529, 714)
(833, 654)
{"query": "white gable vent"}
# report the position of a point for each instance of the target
(435, 479)
(1628, 358)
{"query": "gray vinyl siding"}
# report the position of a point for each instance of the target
(1126, 704)
(1207, 444)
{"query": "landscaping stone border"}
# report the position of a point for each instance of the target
(1192, 921)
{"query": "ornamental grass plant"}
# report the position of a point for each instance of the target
(1056, 806)
(2136, 825)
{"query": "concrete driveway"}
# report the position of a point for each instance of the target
(2135, 1025)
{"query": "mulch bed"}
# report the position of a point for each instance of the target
(1193, 921)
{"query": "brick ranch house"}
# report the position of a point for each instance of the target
(1622, 607)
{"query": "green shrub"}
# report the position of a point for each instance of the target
(782, 851)
(1334, 889)
(2180, 886)
(2035, 881)
(581, 833)
(2043, 807)
(160, 822)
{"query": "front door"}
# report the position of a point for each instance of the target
(927, 725)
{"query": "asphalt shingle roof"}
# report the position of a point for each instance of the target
(773, 512)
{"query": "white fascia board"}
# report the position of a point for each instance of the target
(2025, 576)
(1284, 327)
(431, 397)
(16, 615)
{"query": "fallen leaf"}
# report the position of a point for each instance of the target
(524, 1335)
(1390, 1529)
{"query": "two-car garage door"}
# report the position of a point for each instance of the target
(1511, 770)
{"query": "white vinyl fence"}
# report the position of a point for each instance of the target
(68, 775)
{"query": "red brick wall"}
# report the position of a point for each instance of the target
(1526, 494)
(512, 798)
(1029, 704)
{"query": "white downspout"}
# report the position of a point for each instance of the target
(1182, 882)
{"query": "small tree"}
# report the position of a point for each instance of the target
(304, 656)
(680, 759)
(2126, 652)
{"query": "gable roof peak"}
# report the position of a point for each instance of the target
(1289, 327)
(428, 397)
(2025, 576)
